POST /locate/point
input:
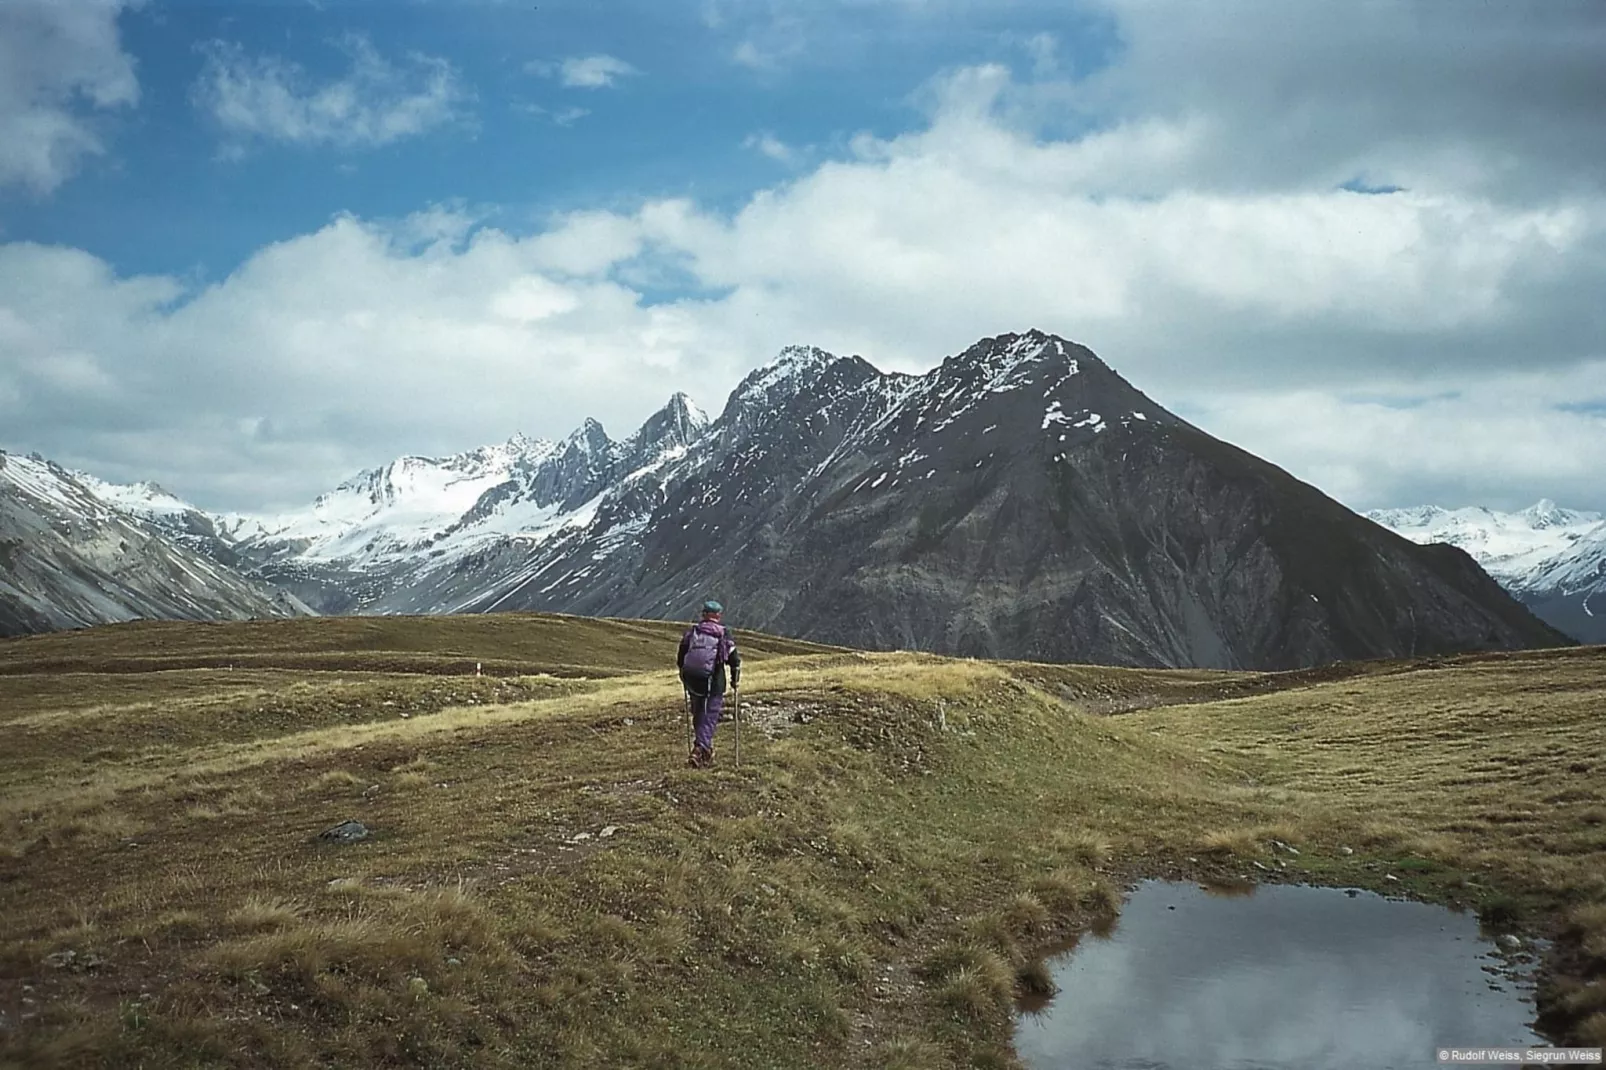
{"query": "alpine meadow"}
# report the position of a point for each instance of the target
(546, 884)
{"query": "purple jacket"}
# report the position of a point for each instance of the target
(727, 654)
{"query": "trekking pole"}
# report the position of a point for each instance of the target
(691, 721)
(736, 693)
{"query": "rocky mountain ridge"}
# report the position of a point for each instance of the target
(1021, 500)
(73, 552)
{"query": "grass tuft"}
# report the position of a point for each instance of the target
(1037, 979)
(1084, 846)
(258, 914)
(336, 779)
(908, 1053)
(1102, 897)
(1062, 890)
(1027, 915)
(1588, 923)
(1235, 842)
(981, 990)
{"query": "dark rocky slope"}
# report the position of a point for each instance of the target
(1022, 500)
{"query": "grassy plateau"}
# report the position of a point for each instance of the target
(547, 884)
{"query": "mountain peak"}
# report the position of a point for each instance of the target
(796, 371)
(1544, 513)
(589, 437)
(792, 364)
(684, 408)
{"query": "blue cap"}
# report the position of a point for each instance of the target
(712, 606)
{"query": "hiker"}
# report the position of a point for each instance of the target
(705, 650)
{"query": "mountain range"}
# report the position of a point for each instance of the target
(76, 551)
(1019, 500)
(1552, 559)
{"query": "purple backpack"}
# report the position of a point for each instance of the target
(705, 651)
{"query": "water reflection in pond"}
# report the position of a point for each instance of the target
(1314, 978)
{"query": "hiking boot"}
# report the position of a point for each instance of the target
(701, 757)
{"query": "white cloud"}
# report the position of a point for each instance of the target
(558, 117)
(584, 72)
(1427, 344)
(265, 98)
(767, 144)
(1416, 93)
(1504, 440)
(748, 54)
(61, 65)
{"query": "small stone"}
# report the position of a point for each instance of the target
(609, 831)
(580, 837)
(454, 962)
(1346, 851)
(370, 791)
(1195, 861)
(1391, 877)
(345, 832)
(1509, 942)
(61, 959)
(344, 884)
(418, 987)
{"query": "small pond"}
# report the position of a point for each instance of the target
(1284, 976)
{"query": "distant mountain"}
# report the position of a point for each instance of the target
(75, 551)
(1020, 500)
(1552, 559)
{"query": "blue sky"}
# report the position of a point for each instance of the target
(174, 195)
(247, 249)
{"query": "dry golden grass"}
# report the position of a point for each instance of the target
(1084, 846)
(548, 886)
(258, 914)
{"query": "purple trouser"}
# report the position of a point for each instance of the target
(706, 711)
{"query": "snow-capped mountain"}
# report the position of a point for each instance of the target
(388, 513)
(1021, 499)
(1552, 559)
(75, 551)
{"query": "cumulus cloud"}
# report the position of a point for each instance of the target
(61, 66)
(1414, 93)
(1428, 344)
(266, 98)
(584, 72)
(1502, 440)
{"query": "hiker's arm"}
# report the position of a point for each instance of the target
(735, 662)
(680, 658)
